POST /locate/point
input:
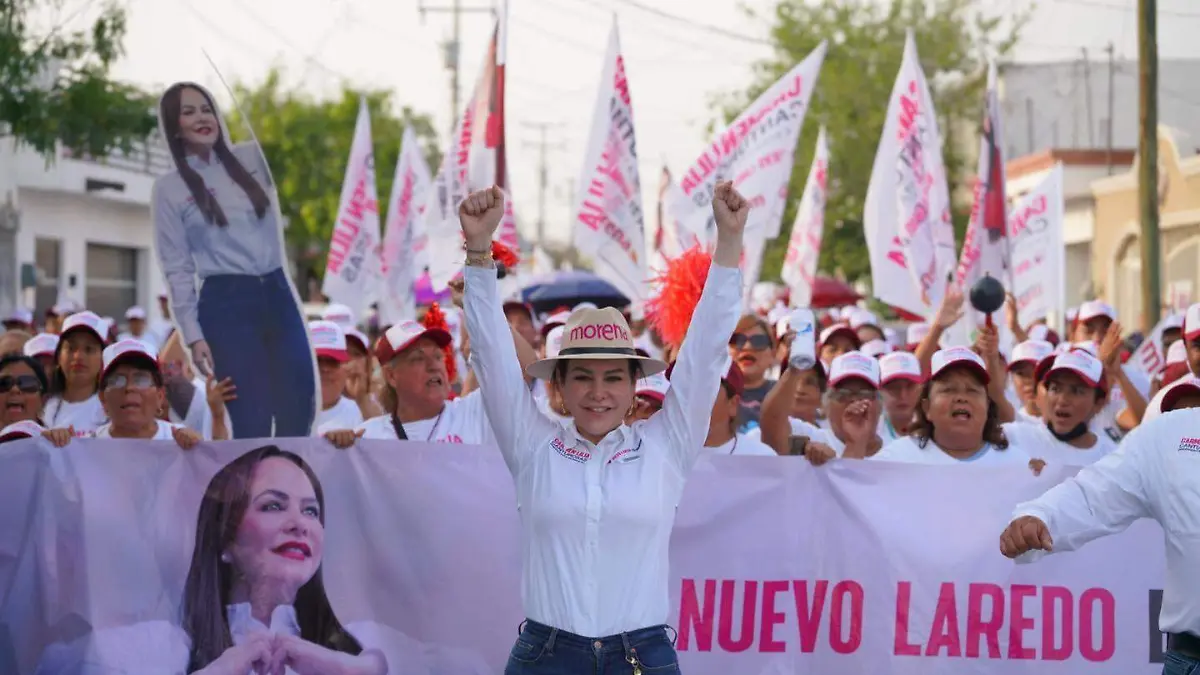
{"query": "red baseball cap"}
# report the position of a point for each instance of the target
(402, 336)
(958, 357)
(328, 340)
(19, 430)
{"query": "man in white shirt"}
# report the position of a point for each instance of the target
(337, 411)
(1154, 475)
(131, 389)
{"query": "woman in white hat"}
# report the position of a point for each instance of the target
(74, 400)
(1074, 389)
(957, 420)
(597, 498)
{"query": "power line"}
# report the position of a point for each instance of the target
(270, 28)
(696, 24)
(668, 37)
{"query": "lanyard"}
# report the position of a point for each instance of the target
(399, 428)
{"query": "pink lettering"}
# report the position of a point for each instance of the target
(977, 626)
(1018, 622)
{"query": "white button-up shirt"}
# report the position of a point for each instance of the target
(1155, 473)
(189, 246)
(596, 520)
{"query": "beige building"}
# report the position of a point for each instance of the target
(1116, 246)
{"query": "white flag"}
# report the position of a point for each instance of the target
(353, 269)
(608, 218)
(476, 159)
(405, 240)
(986, 247)
(804, 246)
(755, 152)
(907, 214)
(1036, 227)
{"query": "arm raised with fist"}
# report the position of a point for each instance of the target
(730, 210)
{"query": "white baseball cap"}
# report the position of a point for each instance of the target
(1086, 346)
(1072, 313)
(328, 340)
(1077, 361)
(42, 344)
(1191, 322)
(853, 365)
(85, 321)
(402, 335)
(359, 336)
(916, 333)
(1177, 390)
(900, 366)
(1176, 353)
(1174, 320)
(839, 329)
(655, 387)
(123, 351)
(554, 340)
(22, 429)
(863, 317)
(135, 312)
(553, 321)
(1094, 309)
(1030, 351)
(952, 357)
(63, 308)
(19, 315)
(876, 348)
(339, 314)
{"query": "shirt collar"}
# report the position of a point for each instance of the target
(242, 623)
(618, 438)
(200, 165)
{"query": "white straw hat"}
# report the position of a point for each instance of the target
(595, 335)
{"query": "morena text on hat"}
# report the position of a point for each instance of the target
(599, 331)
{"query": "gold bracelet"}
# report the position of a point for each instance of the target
(480, 259)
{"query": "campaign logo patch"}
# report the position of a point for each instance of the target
(627, 455)
(1190, 444)
(574, 454)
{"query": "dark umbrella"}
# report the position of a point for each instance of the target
(572, 288)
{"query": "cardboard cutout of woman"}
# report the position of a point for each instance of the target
(219, 242)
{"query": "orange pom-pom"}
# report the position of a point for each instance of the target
(504, 255)
(670, 312)
(435, 319)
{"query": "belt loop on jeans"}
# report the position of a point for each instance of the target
(674, 633)
(521, 628)
(550, 641)
(625, 645)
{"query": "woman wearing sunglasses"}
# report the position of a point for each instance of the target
(23, 387)
(753, 350)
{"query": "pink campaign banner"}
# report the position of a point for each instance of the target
(777, 567)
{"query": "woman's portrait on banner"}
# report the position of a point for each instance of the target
(219, 240)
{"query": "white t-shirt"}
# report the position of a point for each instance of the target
(1036, 441)
(1024, 417)
(1105, 422)
(166, 431)
(462, 420)
(743, 444)
(906, 449)
(345, 414)
(85, 416)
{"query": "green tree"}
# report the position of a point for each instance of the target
(307, 143)
(56, 87)
(866, 43)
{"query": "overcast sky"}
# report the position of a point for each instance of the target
(554, 53)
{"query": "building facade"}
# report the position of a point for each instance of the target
(79, 229)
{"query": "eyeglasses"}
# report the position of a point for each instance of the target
(757, 342)
(137, 381)
(848, 395)
(26, 384)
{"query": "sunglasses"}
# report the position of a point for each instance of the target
(757, 342)
(26, 384)
(137, 381)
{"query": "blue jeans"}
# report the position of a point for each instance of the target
(542, 650)
(259, 338)
(1175, 663)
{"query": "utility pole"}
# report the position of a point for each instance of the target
(1112, 68)
(450, 48)
(1148, 163)
(543, 173)
(1087, 88)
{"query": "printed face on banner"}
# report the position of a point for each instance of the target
(219, 242)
